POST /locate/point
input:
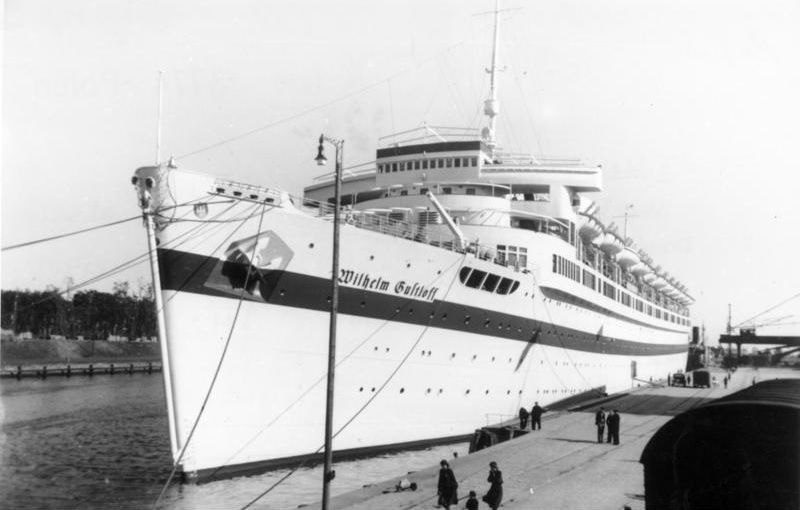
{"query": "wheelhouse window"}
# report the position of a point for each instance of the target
(514, 256)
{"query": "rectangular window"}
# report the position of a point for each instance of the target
(457, 162)
(403, 192)
(394, 167)
(449, 162)
(474, 162)
(422, 191)
(424, 164)
(554, 262)
(447, 191)
(490, 282)
(416, 165)
(475, 278)
(470, 191)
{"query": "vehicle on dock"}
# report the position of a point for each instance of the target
(701, 378)
(679, 379)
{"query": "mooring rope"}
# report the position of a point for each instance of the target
(218, 368)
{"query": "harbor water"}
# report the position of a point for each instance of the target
(102, 442)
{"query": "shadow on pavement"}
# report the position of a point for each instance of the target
(652, 404)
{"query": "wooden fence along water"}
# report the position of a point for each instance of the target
(79, 369)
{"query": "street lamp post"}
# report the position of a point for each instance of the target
(328, 474)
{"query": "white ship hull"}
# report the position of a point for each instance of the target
(421, 357)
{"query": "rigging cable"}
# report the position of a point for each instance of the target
(68, 234)
(314, 108)
(767, 310)
(139, 259)
(379, 389)
(322, 378)
(219, 363)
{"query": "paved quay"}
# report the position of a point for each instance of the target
(562, 465)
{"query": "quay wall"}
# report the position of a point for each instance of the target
(40, 352)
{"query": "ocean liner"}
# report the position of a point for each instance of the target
(472, 282)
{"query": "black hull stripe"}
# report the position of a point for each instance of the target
(189, 272)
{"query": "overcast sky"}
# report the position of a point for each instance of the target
(691, 107)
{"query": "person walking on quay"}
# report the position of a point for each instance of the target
(613, 421)
(600, 421)
(472, 502)
(495, 494)
(448, 486)
(536, 416)
(523, 418)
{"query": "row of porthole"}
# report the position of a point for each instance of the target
(486, 392)
(430, 390)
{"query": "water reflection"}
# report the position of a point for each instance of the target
(103, 443)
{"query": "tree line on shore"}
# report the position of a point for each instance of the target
(90, 314)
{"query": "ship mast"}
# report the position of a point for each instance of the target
(491, 107)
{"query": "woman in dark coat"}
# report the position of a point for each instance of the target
(447, 486)
(495, 494)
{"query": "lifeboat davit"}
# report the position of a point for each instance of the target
(611, 244)
(590, 229)
(627, 258)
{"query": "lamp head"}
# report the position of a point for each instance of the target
(321, 159)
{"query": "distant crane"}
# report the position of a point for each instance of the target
(747, 331)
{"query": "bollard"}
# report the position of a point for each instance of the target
(69, 370)
(91, 370)
(149, 367)
(19, 372)
(131, 369)
(111, 369)
(44, 372)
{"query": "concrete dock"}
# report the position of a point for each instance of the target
(562, 465)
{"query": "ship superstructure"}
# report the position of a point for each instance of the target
(472, 282)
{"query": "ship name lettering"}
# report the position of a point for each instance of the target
(362, 280)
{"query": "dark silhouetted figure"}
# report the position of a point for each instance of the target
(472, 502)
(447, 488)
(613, 426)
(600, 421)
(494, 497)
(536, 416)
(523, 417)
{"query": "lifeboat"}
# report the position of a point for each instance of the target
(590, 229)
(611, 244)
(650, 276)
(641, 269)
(628, 257)
(659, 283)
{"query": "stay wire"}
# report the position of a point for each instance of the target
(315, 108)
(373, 397)
(128, 264)
(767, 310)
(218, 368)
(82, 231)
(321, 379)
(68, 234)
